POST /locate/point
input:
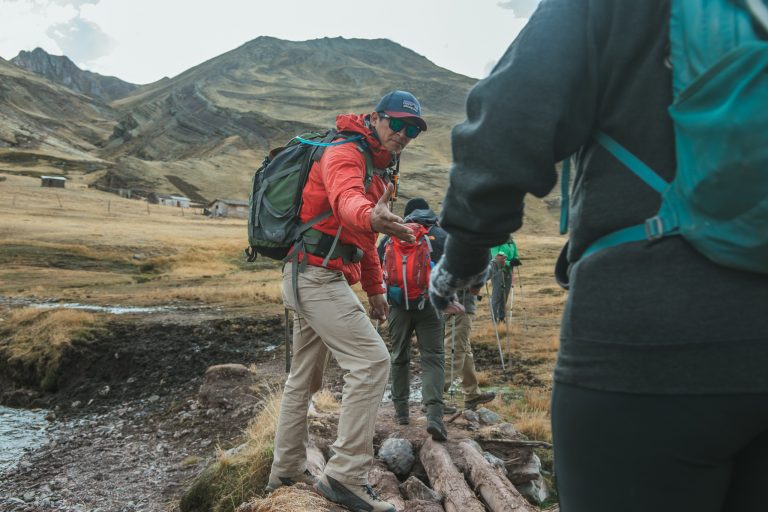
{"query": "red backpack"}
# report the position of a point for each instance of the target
(407, 266)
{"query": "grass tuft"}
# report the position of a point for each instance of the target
(33, 340)
(239, 474)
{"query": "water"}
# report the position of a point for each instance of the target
(19, 429)
(115, 310)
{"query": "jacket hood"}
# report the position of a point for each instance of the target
(356, 123)
(423, 217)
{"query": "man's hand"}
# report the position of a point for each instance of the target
(384, 221)
(379, 308)
(454, 307)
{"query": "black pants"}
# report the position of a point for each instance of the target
(502, 286)
(658, 453)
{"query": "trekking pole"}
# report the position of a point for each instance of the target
(395, 179)
(287, 343)
(495, 328)
(507, 322)
(522, 300)
(451, 389)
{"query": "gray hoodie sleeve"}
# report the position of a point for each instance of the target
(536, 108)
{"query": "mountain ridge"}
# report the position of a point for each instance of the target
(61, 70)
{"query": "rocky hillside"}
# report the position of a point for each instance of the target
(43, 124)
(61, 70)
(210, 126)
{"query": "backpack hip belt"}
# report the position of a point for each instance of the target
(322, 245)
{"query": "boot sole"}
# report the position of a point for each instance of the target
(436, 433)
(331, 495)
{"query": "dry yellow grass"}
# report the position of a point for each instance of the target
(108, 249)
(289, 499)
(36, 338)
(325, 401)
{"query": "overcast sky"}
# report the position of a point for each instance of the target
(141, 41)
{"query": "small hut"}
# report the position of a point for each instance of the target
(53, 181)
(229, 208)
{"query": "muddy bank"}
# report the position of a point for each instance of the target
(139, 356)
(127, 428)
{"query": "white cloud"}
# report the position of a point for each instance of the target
(81, 40)
(24, 23)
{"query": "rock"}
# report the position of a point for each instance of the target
(534, 491)
(104, 391)
(415, 489)
(29, 496)
(398, 455)
(471, 416)
(525, 471)
(228, 385)
(76, 404)
(487, 416)
(508, 430)
(495, 461)
(153, 398)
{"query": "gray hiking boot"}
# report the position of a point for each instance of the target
(436, 429)
(357, 498)
(279, 481)
(447, 409)
(482, 398)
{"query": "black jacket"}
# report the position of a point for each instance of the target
(652, 318)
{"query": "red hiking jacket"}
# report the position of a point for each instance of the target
(336, 183)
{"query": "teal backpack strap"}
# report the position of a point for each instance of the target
(634, 164)
(653, 228)
(565, 187)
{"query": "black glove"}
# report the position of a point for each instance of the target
(443, 285)
(515, 262)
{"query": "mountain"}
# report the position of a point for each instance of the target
(61, 70)
(45, 125)
(227, 112)
(205, 131)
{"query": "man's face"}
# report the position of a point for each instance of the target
(390, 139)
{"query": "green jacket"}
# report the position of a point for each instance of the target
(509, 250)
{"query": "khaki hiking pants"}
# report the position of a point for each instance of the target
(463, 360)
(332, 319)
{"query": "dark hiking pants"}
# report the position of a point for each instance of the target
(502, 284)
(661, 453)
(429, 337)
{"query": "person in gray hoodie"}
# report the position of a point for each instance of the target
(660, 398)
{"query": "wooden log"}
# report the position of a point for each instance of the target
(386, 484)
(513, 443)
(497, 491)
(447, 480)
(422, 506)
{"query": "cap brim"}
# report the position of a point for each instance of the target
(405, 115)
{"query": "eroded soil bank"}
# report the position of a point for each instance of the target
(127, 430)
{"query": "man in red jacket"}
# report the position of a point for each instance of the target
(328, 316)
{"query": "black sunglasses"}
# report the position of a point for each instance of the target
(396, 124)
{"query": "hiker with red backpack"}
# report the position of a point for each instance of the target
(407, 266)
(660, 398)
(339, 251)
